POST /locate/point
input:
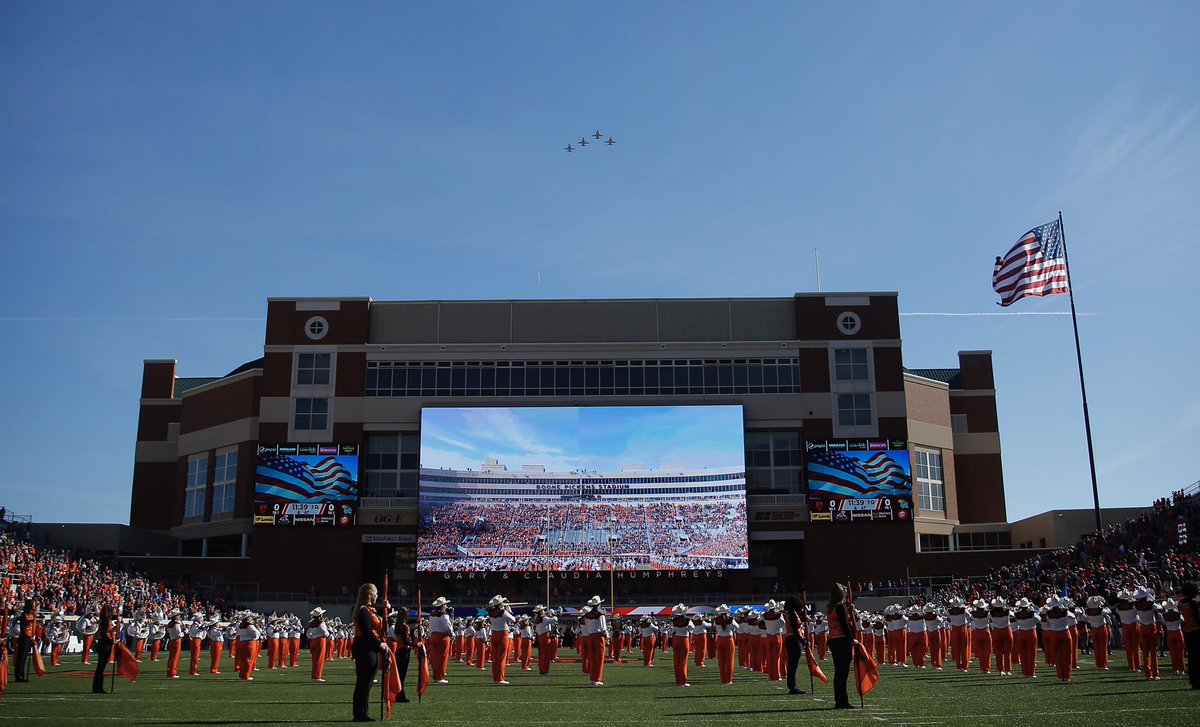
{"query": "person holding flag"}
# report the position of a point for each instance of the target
(795, 617)
(841, 644)
(368, 644)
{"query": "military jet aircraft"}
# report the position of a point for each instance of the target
(569, 148)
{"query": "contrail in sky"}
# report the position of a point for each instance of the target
(990, 314)
(130, 319)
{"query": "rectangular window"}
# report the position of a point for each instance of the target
(196, 486)
(224, 481)
(392, 465)
(854, 410)
(985, 541)
(773, 462)
(927, 470)
(312, 369)
(935, 543)
(850, 364)
(958, 423)
(312, 414)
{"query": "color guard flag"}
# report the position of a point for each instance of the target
(39, 666)
(814, 668)
(391, 682)
(127, 666)
(1035, 266)
(866, 673)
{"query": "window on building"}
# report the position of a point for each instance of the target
(935, 543)
(392, 465)
(984, 541)
(312, 414)
(850, 364)
(196, 486)
(224, 481)
(773, 462)
(312, 369)
(958, 423)
(854, 410)
(931, 494)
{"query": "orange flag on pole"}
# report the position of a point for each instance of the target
(391, 682)
(866, 672)
(127, 666)
(814, 668)
(39, 666)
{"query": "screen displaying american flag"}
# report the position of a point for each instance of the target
(1035, 266)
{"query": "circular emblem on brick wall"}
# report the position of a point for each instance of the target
(848, 323)
(316, 328)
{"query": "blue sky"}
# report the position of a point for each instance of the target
(599, 439)
(167, 166)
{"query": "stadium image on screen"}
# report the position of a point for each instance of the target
(582, 488)
(306, 484)
(858, 479)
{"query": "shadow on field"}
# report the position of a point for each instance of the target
(1139, 691)
(748, 711)
(243, 721)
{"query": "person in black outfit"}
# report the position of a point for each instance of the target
(104, 647)
(795, 643)
(404, 647)
(841, 644)
(27, 624)
(368, 645)
(1191, 637)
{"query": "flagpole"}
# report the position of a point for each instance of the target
(1087, 420)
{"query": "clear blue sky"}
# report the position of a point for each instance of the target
(600, 439)
(167, 166)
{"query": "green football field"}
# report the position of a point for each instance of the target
(633, 695)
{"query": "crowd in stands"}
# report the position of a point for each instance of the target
(461, 536)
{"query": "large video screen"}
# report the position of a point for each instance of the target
(306, 485)
(854, 480)
(582, 489)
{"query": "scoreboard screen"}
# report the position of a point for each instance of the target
(307, 485)
(855, 480)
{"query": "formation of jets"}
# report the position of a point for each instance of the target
(584, 142)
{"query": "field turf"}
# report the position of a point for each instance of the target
(633, 696)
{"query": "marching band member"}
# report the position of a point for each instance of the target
(1172, 621)
(773, 616)
(681, 634)
(197, 632)
(174, 643)
(699, 639)
(87, 628)
(1147, 620)
(933, 634)
(1057, 636)
(216, 645)
(482, 636)
(158, 632)
(318, 641)
(1025, 638)
(648, 634)
(917, 641)
(981, 634)
(543, 625)
(1097, 615)
(248, 635)
(821, 635)
(271, 632)
(524, 642)
(1129, 629)
(294, 630)
(726, 627)
(960, 642)
(1002, 636)
(879, 629)
(440, 632)
(501, 618)
(231, 638)
(26, 630)
(897, 635)
(468, 647)
(138, 631)
(58, 634)
(594, 630)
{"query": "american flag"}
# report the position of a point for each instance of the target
(1036, 265)
(287, 479)
(879, 475)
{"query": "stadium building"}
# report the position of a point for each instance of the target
(817, 376)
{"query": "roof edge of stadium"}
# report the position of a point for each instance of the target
(187, 384)
(951, 377)
(838, 294)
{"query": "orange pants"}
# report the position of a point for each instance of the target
(1002, 645)
(499, 643)
(1025, 651)
(960, 647)
(1148, 636)
(648, 651)
(316, 649)
(544, 649)
(1100, 645)
(139, 647)
(173, 648)
(439, 655)
(87, 647)
(194, 657)
(244, 659)
(294, 652)
(725, 658)
(55, 654)
(981, 646)
(214, 652)
(480, 652)
(524, 651)
(468, 652)
(1129, 634)
(937, 648)
(1175, 643)
(679, 652)
(880, 647)
(597, 650)
(699, 648)
(896, 646)
(822, 640)
(743, 659)
(918, 646)
(1060, 644)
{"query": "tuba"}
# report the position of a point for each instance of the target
(90, 629)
